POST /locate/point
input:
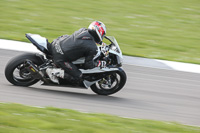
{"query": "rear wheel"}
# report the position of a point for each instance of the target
(16, 73)
(110, 84)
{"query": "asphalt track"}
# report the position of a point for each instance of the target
(149, 93)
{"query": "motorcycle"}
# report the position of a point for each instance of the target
(29, 68)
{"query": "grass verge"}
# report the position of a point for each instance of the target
(162, 29)
(19, 118)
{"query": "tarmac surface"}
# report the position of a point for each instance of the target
(150, 93)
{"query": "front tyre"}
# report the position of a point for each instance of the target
(16, 73)
(110, 84)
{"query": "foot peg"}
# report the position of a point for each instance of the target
(53, 74)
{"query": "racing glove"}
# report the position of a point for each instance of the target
(101, 64)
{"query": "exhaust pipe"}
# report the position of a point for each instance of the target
(33, 70)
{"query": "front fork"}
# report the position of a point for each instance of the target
(106, 81)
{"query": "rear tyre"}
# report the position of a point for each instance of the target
(16, 73)
(110, 84)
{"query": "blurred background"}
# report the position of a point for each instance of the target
(161, 29)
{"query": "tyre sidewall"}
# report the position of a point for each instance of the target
(123, 77)
(16, 61)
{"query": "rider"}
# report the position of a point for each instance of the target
(68, 48)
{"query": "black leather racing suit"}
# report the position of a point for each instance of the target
(68, 48)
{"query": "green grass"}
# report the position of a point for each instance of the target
(162, 29)
(15, 118)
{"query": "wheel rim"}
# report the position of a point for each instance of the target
(20, 74)
(109, 83)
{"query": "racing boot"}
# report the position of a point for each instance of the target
(54, 73)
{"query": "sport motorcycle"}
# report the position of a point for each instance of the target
(29, 68)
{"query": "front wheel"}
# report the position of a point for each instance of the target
(16, 73)
(110, 84)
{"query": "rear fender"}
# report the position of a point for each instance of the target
(40, 58)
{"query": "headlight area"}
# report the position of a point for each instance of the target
(116, 61)
(114, 48)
